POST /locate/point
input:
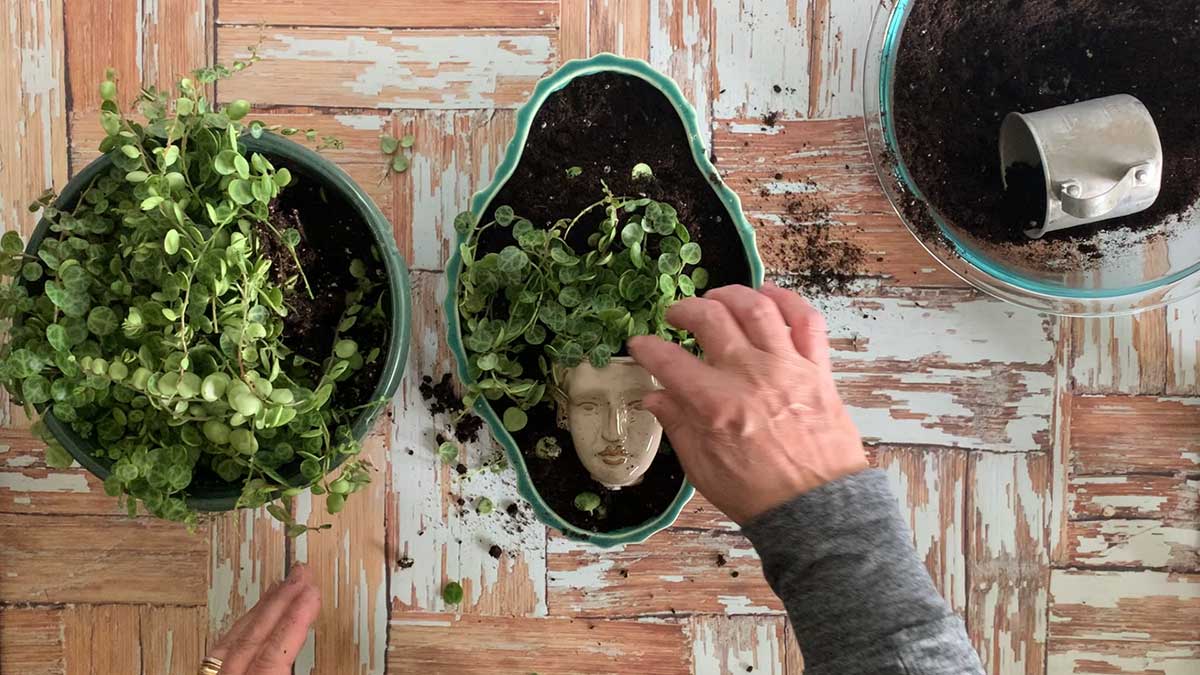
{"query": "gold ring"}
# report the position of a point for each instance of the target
(210, 665)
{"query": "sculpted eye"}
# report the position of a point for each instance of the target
(588, 406)
(636, 405)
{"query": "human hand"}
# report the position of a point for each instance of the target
(759, 420)
(265, 640)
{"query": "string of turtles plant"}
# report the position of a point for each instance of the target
(148, 319)
(541, 294)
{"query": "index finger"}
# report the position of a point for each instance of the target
(673, 366)
(239, 647)
(713, 325)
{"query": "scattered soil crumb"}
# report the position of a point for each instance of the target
(721, 561)
(770, 118)
(495, 551)
(624, 574)
(405, 563)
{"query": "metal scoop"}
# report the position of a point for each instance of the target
(1101, 159)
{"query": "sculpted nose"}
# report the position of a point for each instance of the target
(614, 426)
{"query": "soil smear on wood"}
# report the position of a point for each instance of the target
(965, 64)
(605, 124)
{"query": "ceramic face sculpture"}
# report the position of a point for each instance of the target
(615, 437)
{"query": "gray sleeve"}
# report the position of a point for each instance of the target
(858, 598)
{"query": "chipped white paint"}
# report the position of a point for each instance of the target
(441, 187)
(812, 52)
(57, 481)
(446, 542)
(390, 68)
(1104, 589)
(1183, 347)
(20, 461)
(740, 604)
(362, 122)
(956, 369)
(236, 580)
(721, 646)
(937, 537)
(1099, 659)
(754, 128)
(1137, 543)
(1107, 354)
(1008, 598)
(680, 47)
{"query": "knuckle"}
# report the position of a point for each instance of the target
(762, 309)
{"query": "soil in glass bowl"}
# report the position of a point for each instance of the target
(963, 65)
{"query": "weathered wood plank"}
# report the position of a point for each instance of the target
(92, 558)
(439, 644)
(395, 14)
(432, 539)
(455, 154)
(943, 367)
(1173, 498)
(1135, 544)
(172, 639)
(362, 68)
(681, 47)
(27, 485)
(31, 641)
(573, 35)
(930, 487)
(1128, 434)
(1098, 657)
(1183, 348)
(743, 644)
(795, 173)
(1126, 355)
(348, 562)
(700, 514)
(1124, 622)
(793, 659)
(1008, 563)
(802, 60)
(33, 119)
(102, 34)
(675, 572)
(246, 556)
(177, 38)
(619, 26)
(1064, 400)
(103, 638)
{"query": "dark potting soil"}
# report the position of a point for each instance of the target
(1025, 196)
(965, 64)
(332, 234)
(605, 124)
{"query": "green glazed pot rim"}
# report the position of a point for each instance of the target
(225, 497)
(479, 204)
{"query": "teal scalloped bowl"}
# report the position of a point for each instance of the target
(479, 204)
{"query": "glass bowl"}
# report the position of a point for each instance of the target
(1134, 272)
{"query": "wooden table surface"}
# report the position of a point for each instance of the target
(1049, 467)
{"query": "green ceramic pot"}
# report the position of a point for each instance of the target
(480, 204)
(223, 497)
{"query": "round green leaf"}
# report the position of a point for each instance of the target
(587, 501)
(448, 452)
(515, 419)
(686, 285)
(484, 506)
(669, 263)
(56, 335)
(452, 593)
(108, 90)
(102, 321)
(244, 441)
(690, 253)
(31, 271)
(400, 163)
(334, 503)
(345, 348)
(238, 109)
(224, 162)
(35, 389)
(11, 242)
(570, 297)
(171, 242)
(700, 277)
(241, 192)
(504, 216)
(632, 234)
(137, 176)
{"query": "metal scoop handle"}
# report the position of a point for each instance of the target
(1102, 204)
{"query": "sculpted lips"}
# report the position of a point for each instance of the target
(614, 455)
